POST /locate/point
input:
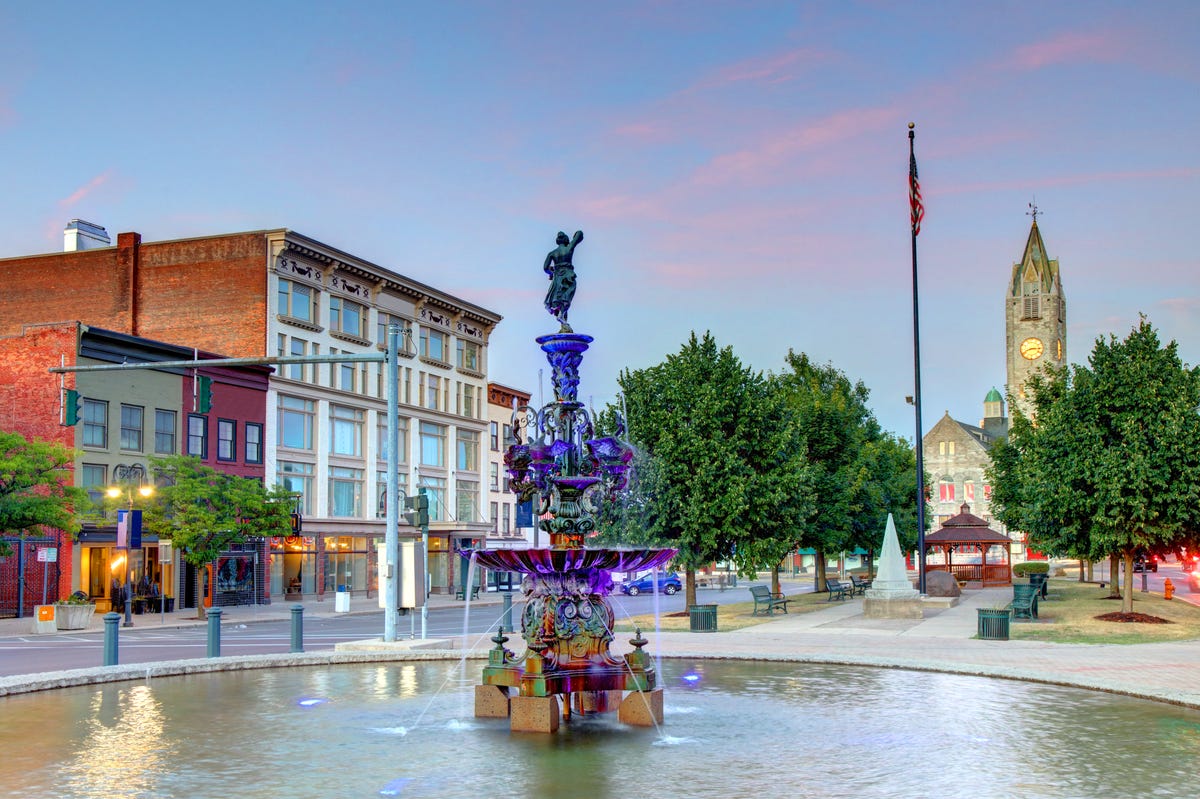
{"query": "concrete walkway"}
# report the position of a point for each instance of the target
(943, 641)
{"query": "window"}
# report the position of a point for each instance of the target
(347, 317)
(254, 441)
(433, 444)
(968, 491)
(495, 517)
(131, 427)
(346, 430)
(226, 440)
(381, 494)
(466, 496)
(347, 374)
(433, 391)
(197, 443)
(508, 437)
(297, 478)
(164, 432)
(435, 489)
(381, 329)
(468, 450)
(494, 432)
(345, 491)
(494, 476)
(296, 370)
(296, 422)
(93, 478)
(433, 344)
(296, 300)
(402, 425)
(95, 423)
(506, 527)
(987, 492)
(468, 355)
(1031, 305)
(468, 400)
(946, 491)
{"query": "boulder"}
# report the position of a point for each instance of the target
(941, 584)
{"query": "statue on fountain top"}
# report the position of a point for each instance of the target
(561, 271)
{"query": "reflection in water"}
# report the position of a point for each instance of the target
(121, 753)
(396, 730)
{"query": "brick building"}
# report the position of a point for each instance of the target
(277, 292)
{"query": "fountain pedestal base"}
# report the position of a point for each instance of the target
(534, 714)
(642, 708)
(491, 702)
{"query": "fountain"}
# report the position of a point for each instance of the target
(567, 624)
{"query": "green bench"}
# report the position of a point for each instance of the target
(1024, 603)
(461, 593)
(858, 586)
(838, 589)
(766, 601)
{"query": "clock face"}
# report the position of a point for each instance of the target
(1031, 349)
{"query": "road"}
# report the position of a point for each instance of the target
(29, 654)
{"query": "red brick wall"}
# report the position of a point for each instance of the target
(29, 400)
(208, 293)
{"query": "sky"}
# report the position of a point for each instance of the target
(737, 168)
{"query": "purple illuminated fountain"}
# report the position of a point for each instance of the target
(557, 460)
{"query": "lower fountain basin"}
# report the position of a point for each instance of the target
(405, 729)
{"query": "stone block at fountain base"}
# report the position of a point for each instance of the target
(533, 714)
(893, 608)
(642, 708)
(491, 702)
(601, 701)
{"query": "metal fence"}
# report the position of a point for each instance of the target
(26, 581)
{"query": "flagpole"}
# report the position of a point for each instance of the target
(917, 212)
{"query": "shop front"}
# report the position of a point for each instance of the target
(102, 573)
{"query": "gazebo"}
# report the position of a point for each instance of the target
(984, 554)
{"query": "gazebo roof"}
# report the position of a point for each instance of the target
(966, 528)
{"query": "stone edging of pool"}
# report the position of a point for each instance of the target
(412, 651)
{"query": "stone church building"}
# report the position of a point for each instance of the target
(956, 452)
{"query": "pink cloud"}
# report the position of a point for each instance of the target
(770, 69)
(1070, 47)
(86, 189)
(1069, 180)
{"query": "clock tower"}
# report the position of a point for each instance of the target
(1035, 316)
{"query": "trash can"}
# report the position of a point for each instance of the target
(703, 618)
(341, 602)
(993, 624)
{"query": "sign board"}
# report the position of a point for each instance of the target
(525, 514)
(47, 555)
(165, 553)
(412, 575)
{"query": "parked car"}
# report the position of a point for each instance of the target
(1143, 562)
(668, 583)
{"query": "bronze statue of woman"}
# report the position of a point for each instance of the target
(561, 271)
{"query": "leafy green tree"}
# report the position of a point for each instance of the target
(36, 490)
(1108, 463)
(883, 480)
(711, 429)
(203, 511)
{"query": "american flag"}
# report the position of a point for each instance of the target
(916, 208)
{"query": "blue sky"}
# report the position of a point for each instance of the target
(738, 168)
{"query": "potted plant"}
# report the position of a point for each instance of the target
(75, 612)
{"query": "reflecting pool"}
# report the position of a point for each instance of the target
(732, 729)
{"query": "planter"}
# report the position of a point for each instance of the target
(74, 617)
(993, 624)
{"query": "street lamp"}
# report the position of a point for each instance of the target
(128, 476)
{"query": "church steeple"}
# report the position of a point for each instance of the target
(1036, 328)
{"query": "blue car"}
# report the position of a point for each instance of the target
(668, 583)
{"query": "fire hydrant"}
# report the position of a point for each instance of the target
(1168, 588)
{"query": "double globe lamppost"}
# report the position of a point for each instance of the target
(129, 526)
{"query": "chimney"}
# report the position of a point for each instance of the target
(80, 235)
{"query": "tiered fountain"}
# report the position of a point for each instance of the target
(567, 624)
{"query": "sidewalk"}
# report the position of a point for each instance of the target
(942, 641)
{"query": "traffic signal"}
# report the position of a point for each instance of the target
(418, 507)
(72, 404)
(203, 394)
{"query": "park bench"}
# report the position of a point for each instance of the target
(764, 599)
(461, 593)
(1024, 603)
(837, 588)
(858, 585)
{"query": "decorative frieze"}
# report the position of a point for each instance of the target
(293, 268)
(465, 329)
(351, 287)
(435, 318)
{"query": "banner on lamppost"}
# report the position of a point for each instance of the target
(525, 513)
(129, 529)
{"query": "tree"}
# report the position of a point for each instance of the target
(36, 488)
(713, 432)
(883, 480)
(1108, 462)
(203, 511)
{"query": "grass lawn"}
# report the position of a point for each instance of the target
(1069, 617)
(729, 617)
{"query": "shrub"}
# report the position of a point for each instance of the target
(77, 598)
(1030, 567)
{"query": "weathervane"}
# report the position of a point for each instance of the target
(1033, 210)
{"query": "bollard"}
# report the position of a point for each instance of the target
(506, 616)
(297, 628)
(111, 620)
(214, 633)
